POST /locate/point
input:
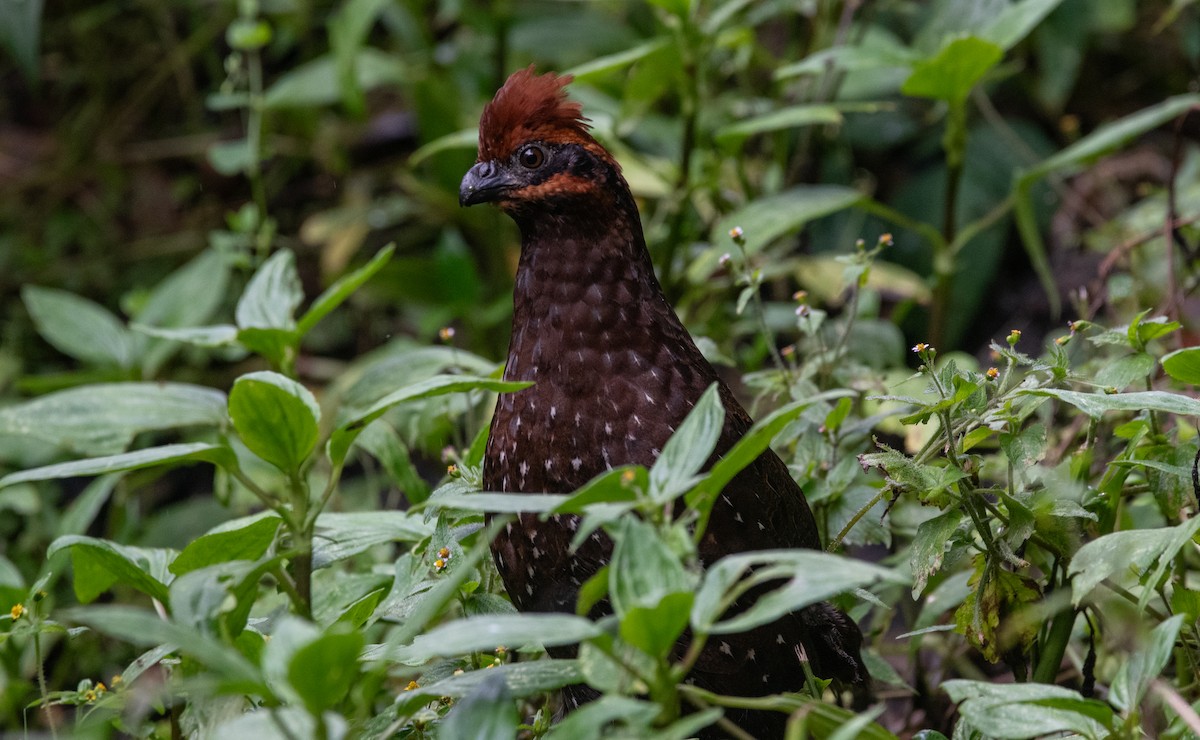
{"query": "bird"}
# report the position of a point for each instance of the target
(615, 373)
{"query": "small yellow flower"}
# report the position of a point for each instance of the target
(736, 233)
(452, 471)
(1014, 336)
(444, 552)
(886, 239)
(501, 650)
(446, 333)
(17, 611)
(627, 477)
(116, 680)
(89, 695)
(412, 686)
(788, 351)
(920, 347)
(1062, 341)
(992, 373)
(800, 296)
(100, 687)
(439, 564)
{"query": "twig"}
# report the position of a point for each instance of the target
(1177, 703)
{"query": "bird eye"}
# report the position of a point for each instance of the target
(531, 157)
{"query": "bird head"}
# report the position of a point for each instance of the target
(535, 150)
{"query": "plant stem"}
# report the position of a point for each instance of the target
(1055, 647)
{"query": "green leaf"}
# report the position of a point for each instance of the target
(654, 630)
(80, 328)
(272, 295)
(323, 671)
(954, 71)
(688, 448)
(1097, 404)
(147, 458)
(1138, 670)
(619, 60)
(248, 542)
(588, 722)
(810, 577)
(929, 547)
(793, 116)
(276, 417)
(523, 679)
(231, 158)
(104, 418)
(99, 564)
(766, 219)
(337, 293)
(1119, 552)
(610, 487)
(221, 335)
(344, 435)
(487, 632)
(1183, 365)
(248, 34)
(21, 32)
(316, 83)
(340, 535)
(497, 503)
(488, 711)
(643, 569)
(1027, 710)
(141, 627)
(1014, 22)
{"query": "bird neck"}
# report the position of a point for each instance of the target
(584, 280)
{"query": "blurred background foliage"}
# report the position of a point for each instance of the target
(143, 142)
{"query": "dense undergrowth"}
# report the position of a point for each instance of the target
(946, 251)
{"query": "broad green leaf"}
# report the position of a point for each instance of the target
(337, 293)
(929, 547)
(654, 629)
(315, 83)
(221, 335)
(1027, 710)
(1138, 670)
(340, 535)
(488, 711)
(276, 417)
(790, 117)
(80, 328)
(272, 295)
(344, 435)
(1012, 24)
(288, 635)
(1123, 371)
(619, 485)
(277, 346)
(99, 564)
(1183, 365)
(323, 671)
(877, 51)
(487, 632)
(954, 71)
(588, 722)
(245, 543)
(466, 139)
(810, 577)
(147, 458)
(523, 679)
(189, 296)
(104, 418)
(764, 220)
(145, 628)
(281, 723)
(231, 158)
(21, 33)
(498, 503)
(1097, 404)
(643, 569)
(1119, 552)
(688, 448)
(619, 60)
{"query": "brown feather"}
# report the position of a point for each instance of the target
(532, 107)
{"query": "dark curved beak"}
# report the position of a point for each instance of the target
(484, 183)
